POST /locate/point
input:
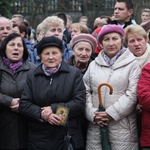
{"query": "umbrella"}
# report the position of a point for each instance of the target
(104, 130)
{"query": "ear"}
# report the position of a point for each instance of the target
(130, 12)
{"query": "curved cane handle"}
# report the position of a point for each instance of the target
(99, 91)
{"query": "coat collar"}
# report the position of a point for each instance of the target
(126, 58)
(25, 66)
(63, 68)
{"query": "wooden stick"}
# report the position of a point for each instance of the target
(99, 91)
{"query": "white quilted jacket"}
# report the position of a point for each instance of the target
(123, 75)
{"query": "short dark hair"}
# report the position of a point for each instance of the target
(8, 39)
(23, 28)
(129, 3)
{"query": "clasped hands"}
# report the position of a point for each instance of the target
(15, 104)
(48, 115)
(102, 118)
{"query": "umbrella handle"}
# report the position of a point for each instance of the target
(99, 91)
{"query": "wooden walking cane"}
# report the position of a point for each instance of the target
(104, 129)
(99, 91)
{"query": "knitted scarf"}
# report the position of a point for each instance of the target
(13, 66)
(50, 71)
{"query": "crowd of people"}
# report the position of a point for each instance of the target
(59, 67)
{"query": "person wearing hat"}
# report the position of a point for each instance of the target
(82, 45)
(118, 67)
(54, 83)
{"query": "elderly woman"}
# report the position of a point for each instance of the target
(136, 40)
(117, 66)
(54, 83)
(14, 68)
(53, 26)
(83, 45)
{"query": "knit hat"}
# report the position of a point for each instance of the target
(48, 42)
(146, 25)
(109, 29)
(84, 38)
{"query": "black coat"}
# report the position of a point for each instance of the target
(65, 88)
(125, 24)
(13, 126)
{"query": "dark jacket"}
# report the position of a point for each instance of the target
(64, 88)
(125, 24)
(13, 126)
(83, 67)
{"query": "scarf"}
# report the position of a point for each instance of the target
(50, 71)
(13, 66)
(111, 61)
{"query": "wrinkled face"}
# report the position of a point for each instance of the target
(112, 44)
(5, 28)
(82, 52)
(145, 16)
(15, 49)
(121, 13)
(55, 31)
(75, 31)
(137, 44)
(51, 57)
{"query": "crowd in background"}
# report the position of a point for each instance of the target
(62, 63)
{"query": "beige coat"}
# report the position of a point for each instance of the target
(123, 75)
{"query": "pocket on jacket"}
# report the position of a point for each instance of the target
(124, 124)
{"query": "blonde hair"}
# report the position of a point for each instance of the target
(146, 10)
(134, 29)
(52, 21)
(83, 28)
(39, 28)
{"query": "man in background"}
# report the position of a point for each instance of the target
(17, 19)
(123, 12)
(5, 28)
(145, 15)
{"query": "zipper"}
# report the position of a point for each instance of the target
(51, 81)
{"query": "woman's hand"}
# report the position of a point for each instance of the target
(102, 118)
(46, 112)
(15, 104)
(54, 119)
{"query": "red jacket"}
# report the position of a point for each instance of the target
(95, 34)
(144, 100)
